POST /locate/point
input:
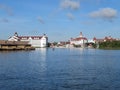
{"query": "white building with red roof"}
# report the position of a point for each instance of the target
(35, 41)
(80, 40)
(109, 38)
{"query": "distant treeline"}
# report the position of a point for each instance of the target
(109, 45)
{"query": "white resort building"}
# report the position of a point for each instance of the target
(35, 41)
(80, 40)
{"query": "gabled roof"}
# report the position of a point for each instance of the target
(79, 38)
(27, 37)
(16, 36)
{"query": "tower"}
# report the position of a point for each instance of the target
(81, 35)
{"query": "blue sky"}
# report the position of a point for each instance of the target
(60, 19)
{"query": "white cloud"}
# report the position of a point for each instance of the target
(40, 20)
(70, 4)
(70, 16)
(104, 13)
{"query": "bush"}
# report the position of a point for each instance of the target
(110, 44)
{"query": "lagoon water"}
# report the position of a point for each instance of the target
(60, 69)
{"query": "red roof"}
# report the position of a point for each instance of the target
(79, 38)
(27, 37)
(94, 38)
(109, 38)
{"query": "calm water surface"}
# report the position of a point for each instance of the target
(60, 69)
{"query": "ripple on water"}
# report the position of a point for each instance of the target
(61, 69)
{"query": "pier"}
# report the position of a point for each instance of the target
(15, 45)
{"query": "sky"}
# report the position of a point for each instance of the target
(60, 20)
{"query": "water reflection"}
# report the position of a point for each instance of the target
(43, 59)
(43, 53)
(38, 59)
(80, 50)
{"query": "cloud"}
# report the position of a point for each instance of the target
(67, 5)
(40, 20)
(70, 16)
(104, 13)
(4, 20)
(70, 4)
(7, 9)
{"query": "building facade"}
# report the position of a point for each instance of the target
(81, 40)
(107, 38)
(35, 41)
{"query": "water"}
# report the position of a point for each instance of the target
(60, 69)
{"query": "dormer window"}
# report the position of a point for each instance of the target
(24, 38)
(36, 38)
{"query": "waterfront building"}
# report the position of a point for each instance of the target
(63, 44)
(79, 41)
(109, 38)
(35, 41)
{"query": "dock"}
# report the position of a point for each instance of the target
(15, 45)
